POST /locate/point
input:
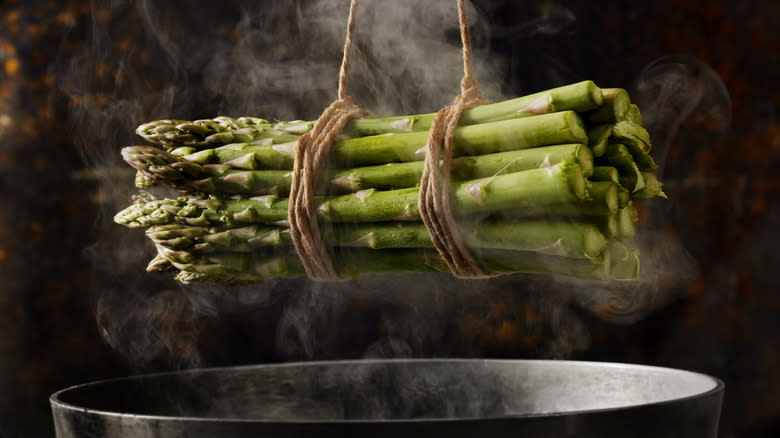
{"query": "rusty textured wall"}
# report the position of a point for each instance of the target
(721, 172)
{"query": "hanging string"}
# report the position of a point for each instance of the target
(434, 202)
(434, 198)
(311, 152)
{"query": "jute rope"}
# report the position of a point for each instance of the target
(310, 154)
(434, 201)
(434, 198)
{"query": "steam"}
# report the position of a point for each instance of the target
(672, 89)
(280, 60)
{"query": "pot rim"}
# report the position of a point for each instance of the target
(56, 402)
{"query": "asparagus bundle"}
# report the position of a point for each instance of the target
(544, 183)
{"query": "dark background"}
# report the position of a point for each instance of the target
(706, 73)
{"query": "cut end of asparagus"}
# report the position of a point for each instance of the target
(577, 127)
(585, 160)
(577, 179)
(595, 243)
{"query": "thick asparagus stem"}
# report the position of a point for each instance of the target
(557, 185)
(547, 237)
(240, 268)
(208, 133)
(548, 129)
(580, 97)
(157, 165)
(219, 131)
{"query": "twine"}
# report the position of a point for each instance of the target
(434, 197)
(311, 151)
(434, 201)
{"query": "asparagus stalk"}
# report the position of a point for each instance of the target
(242, 268)
(548, 129)
(555, 238)
(616, 105)
(157, 165)
(559, 184)
(208, 133)
(220, 131)
(580, 97)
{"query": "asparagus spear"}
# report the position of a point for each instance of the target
(219, 131)
(157, 165)
(207, 133)
(242, 268)
(580, 97)
(556, 238)
(548, 129)
(558, 184)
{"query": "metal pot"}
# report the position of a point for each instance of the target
(397, 398)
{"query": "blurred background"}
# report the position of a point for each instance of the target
(77, 77)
